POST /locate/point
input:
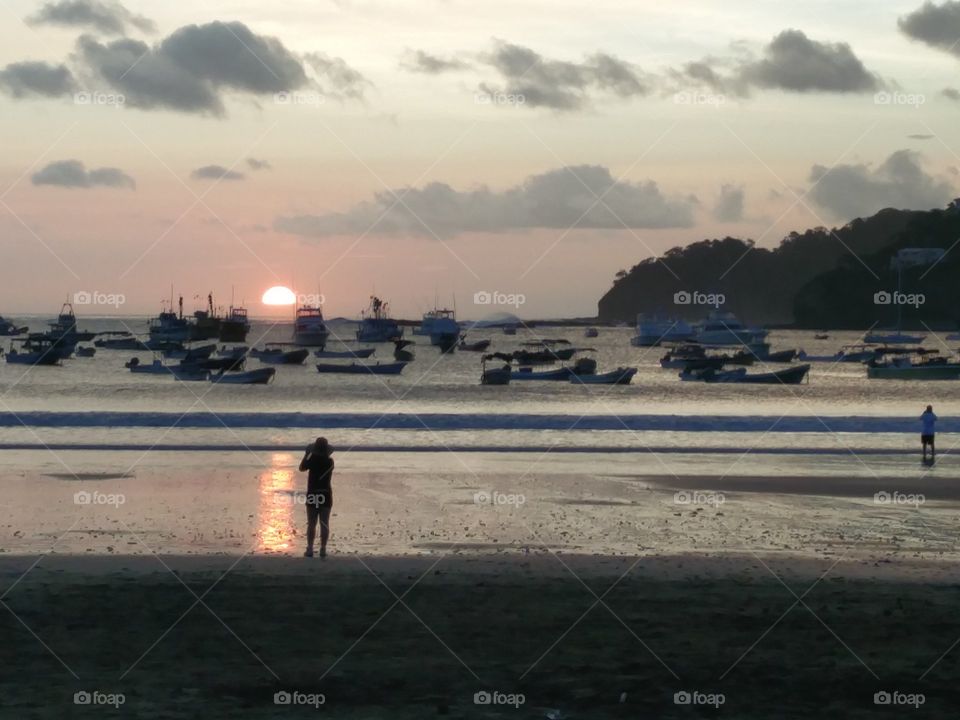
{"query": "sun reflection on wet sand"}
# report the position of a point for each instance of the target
(276, 521)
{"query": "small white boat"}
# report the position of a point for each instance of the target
(440, 325)
(653, 331)
(309, 328)
(620, 376)
(723, 328)
(260, 376)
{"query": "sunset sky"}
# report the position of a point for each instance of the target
(441, 147)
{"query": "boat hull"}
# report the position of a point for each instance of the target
(361, 369)
(943, 372)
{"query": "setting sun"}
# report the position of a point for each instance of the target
(279, 295)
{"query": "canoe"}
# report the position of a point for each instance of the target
(359, 353)
(620, 376)
(363, 369)
(260, 376)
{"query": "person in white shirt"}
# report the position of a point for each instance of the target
(928, 422)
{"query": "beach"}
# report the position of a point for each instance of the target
(180, 586)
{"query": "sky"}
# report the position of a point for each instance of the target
(430, 150)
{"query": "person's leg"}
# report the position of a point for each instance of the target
(324, 529)
(933, 449)
(311, 528)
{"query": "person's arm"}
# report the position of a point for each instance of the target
(305, 463)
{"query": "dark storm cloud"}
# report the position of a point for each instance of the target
(561, 198)
(423, 62)
(729, 207)
(105, 16)
(73, 174)
(936, 25)
(850, 191)
(216, 172)
(25, 79)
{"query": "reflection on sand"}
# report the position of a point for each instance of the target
(277, 518)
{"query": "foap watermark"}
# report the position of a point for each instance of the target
(97, 697)
(308, 99)
(686, 97)
(884, 297)
(495, 697)
(99, 98)
(899, 98)
(499, 98)
(494, 297)
(699, 497)
(685, 297)
(311, 299)
(84, 297)
(295, 697)
(898, 498)
(494, 497)
(308, 498)
(696, 697)
(896, 697)
(83, 497)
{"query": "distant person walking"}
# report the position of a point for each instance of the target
(928, 422)
(319, 466)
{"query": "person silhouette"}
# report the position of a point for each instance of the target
(318, 465)
(928, 423)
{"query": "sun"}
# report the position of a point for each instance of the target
(279, 295)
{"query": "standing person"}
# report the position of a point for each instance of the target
(319, 465)
(928, 422)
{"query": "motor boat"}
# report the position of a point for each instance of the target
(788, 376)
(394, 368)
(189, 354)
(620, 376)
(309, 327)
(591, 332)
(583, 366)
(189, 374)
(260, 376)
(154, 368)
(848, 354)
(400, 352)
(279, 356)
(34, 352)
(478, 346)
(235, 325)
(232, 352)
(359, 353)
(496, 375)
(170, 327)
(8, 329)
(376, 325)
(723, 328)
(892, 337)
(654, 330)
(86, 352)
(441, 326)
(903, 367)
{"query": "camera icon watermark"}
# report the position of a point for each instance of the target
(106, 99)
(899, 98)
(295, 697)
(308, 99)
(494, 297)
(885, 297)
(698, 497)
(84, 297)
(697, 98)
(685, 297)
(896, 697)
(898, 498)
(695, 697)
(499, 98)
(83, 497)
(96, 697)
(495, 697)
(498, 499)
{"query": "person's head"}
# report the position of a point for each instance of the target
(322, 447)
(929, 408)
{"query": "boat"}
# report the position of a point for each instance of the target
(654, 330)
(904, 368)
(8, 329)
(260, 376)
(788, 376)
(723, 328)
(201, 352)
(478, 346)
(779, 356)
(234, 326)
(441, 326)
(218, 364)
(509, 329)
(857, 353)
(892, 337)
(400, 352)
(189, 373)
(232, 352)
(309, 327)
(154, 368)
(494, 376)
(394, 368)
(620, 376)
(359, 353)
(821, 335)
(279, 356)
(206, 324)
(376, 325)
(169, 326)
(128, 342)
(34, 352)
(591, 332)
(63, 333)
(86, 352)
(690, 357)
(583, 366)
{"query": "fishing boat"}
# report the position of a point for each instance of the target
(63, 333)
(33, 352)
(654, 330)
(376, 325)
(620, 376)
(441, 326)
(400, 351)
(206, 324)
(496, 375)
(394, 368)
(359, 353)
(279, 356)
(8, 329)
(154, 368)
(309, 327)
(788, 376)
(723, 328)
(478, 346)
(201, 352)
(583, 366)
(260, 376)
(904, 368)
(169, 326)
(235, 325)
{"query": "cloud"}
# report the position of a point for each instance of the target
(24, 79)
(255, 164)
(73, 174)
(106, 16)
(561, 85)
(791, 62)
(419, 61)
(339, 79)
(951, 93)
(729, 207)
(188, 70)
(935, 25)
(216, 172)
(919, 136)
(561, 198)
(850, 191)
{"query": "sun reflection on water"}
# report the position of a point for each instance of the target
(276, 523)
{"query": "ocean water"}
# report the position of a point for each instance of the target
(438, 404)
